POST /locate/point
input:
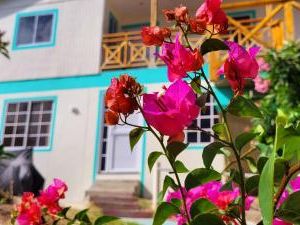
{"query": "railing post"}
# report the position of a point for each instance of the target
(155, 184)
(289, 21)
(153, 22)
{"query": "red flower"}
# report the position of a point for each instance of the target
(197, 26)
(29, 211)
(120, 98)
(179, 14)
(154, 35)
(240, 65)
(211, 12)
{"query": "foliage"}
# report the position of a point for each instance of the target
(284, 90)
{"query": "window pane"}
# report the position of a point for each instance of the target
(31, 142)
(192, 137)
(44, 28)
(33, 129)
(103, 161)
(45, 129)
(9, 130)
(7, 142)
(36, 106)
(35, 118)
(10, 119)
(104, 148)
(205, 123)
(43, 141)
(47, 106)
(19, 141)
(20, 129)
(23, 107)
(206, 111)
(46, 117)
(12, 107)
(26, 30)
(22, 118)
(216, 121)
(205, 137)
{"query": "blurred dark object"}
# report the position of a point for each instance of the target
(3, 45)
(19, 175)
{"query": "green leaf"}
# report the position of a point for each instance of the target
(63, 212)
(134, 136)
(281, 167)
(266, 191)
(196, 85)
(174, 149)
(251, 164)
(261, 163)
(221, 131)
(201, 100)
(211, 45)
(200, 176)
(202, 206)
(152, 158)
(163, 212)
(252, 185)
(210, 152)
(82, 216)
(180, 167)
(207, 219)
(105, 219)
(243, 139)
(243, 107)
(168, 182)
(290, 209)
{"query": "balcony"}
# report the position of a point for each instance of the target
(274, 23)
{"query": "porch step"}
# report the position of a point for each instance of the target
(129, 213)
(118, 198)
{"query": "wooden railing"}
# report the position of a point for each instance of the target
(125, 50)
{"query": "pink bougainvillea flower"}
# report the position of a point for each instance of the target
(240, 65)
(210, 12)
(154, 35)
(176, 104)
(263, 65)
(29, 211)
(295, 184)
(50, 197)
(180, 60)
(261, 85)
(212, 192)
(277, 221)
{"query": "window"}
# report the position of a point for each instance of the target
(28, 123)
(103, 154)
(207, 118)
(35, 29)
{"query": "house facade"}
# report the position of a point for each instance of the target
(64, 54)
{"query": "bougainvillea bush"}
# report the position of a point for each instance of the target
(202, 197)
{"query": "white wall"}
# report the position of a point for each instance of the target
(72, 155)
(78, 40)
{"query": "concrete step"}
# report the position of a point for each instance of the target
(133, 213)
(117, 204)
(117, 196)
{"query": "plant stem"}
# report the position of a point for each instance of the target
(210, 134)
(160, 140)
(284, 182)
(235, 150)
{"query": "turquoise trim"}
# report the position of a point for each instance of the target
(196, 147)
(143, 75)
(251, 13)
(224, 94)
(52, 127)
(100, 111)
(52, 41)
